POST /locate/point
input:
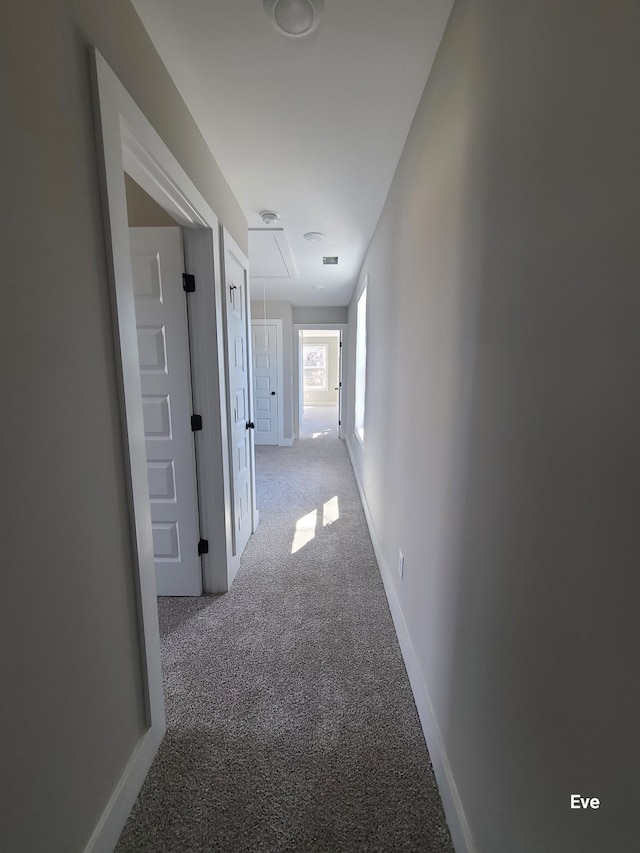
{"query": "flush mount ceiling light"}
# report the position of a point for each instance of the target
(294, 18)
(314, 236)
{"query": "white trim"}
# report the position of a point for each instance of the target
(229, 245)
(458, 826)
(126, 140)
(341, 387)
(202, 258)
(360, 370)
(282, 441)
(155, 181)
(287, 442)
(277, 322)
(109, 828)
(112, 102)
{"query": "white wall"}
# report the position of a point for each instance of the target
(503, 417)
(320, 314)
(281, 311)
(71, 712)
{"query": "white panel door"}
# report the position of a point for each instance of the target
(340, 435)
(266, 394)
(240, 415)
(165, 377)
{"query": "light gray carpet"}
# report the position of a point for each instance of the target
(318, 421)
(291, 723)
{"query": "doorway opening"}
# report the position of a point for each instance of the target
(216, 354)
(320, 369)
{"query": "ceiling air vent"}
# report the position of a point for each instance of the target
(330, 260)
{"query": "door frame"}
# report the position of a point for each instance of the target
(228, 244)
(277, 322)
(297, 372)
(127, 142)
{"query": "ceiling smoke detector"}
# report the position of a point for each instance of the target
(314, 236)
(294, 18)
(269, 216)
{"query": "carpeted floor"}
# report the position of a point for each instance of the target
(318, 421)
(290, 721)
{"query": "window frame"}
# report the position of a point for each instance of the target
(360, 388)
(324, 368)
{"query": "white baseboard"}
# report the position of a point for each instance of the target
(458, 825)
(107, 832)
(286, 442)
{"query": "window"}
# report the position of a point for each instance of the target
(314, 366)
(361, 360)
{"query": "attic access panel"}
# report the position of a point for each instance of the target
(270, 254)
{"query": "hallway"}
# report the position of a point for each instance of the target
(290, 721)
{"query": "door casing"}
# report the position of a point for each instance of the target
(127, 142)
(230, 251)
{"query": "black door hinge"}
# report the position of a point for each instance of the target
(203, 547)
(188, 282)
(196, 423)
(339, 423)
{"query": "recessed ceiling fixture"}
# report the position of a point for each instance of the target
(294, 18)
(330, 260)
(269, 216)
(314, 236)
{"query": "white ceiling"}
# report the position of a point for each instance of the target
(311, 128)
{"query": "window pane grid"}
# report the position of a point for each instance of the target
(314, 366)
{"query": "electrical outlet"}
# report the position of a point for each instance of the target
(401, 564)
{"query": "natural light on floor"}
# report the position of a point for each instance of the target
(305, 530)
(306, 526)
(318, 434)
(330, 511)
